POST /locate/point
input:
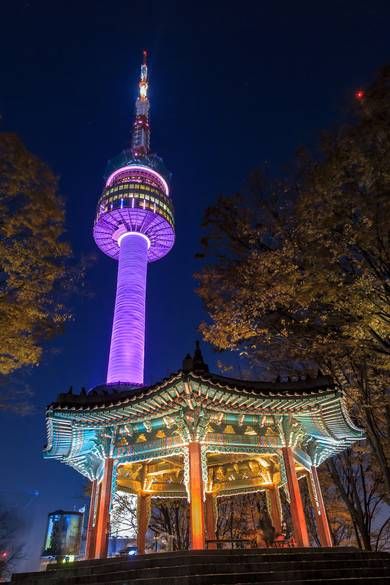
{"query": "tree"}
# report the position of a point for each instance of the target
(33, 268)
(358, 480)
(340, 521)
(298, 278)
(238, 516)
(244, 516)
(10, 543)
(171, 517)
(298, 269)
(124, 515)
(168, 517)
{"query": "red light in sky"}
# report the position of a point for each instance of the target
(359, 94)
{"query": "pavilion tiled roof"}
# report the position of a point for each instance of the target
(108, 396)
(75, 421)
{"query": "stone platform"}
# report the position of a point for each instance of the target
(309, 566)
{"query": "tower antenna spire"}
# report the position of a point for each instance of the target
(140, 142)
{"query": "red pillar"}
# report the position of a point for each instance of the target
(196, 497)
(103, 515)
(210, 518)
(276, 512)
(90, 543)
(143, 513)
(297, 513)
(324, 533)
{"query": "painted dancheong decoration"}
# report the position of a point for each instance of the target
(194, 435)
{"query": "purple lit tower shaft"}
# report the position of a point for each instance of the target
(135, 225)
(126, 361)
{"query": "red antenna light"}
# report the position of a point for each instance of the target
(359, 94)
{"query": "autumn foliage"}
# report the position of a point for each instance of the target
(33, 256)
(296, 271)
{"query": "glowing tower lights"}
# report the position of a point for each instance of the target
(134, 224)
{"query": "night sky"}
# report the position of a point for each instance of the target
(232, 85)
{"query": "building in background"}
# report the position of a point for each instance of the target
(63, 536)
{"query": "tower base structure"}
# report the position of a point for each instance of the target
(199, 436)
(126, 361)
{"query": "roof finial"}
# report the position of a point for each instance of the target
(199, 364)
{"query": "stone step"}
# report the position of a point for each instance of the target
(220, 567)
(228, 576)
(345, 581)
(161, 561)
(321, 577)
(199, 564)
(239, 552)
(183, 570)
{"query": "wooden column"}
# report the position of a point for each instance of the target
(196, 497)
(324, 533)
(297, 513)
(275, 509)
(210, 518)
(103, 512)
(90, 542)
(143, 516)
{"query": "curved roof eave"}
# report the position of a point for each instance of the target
(283, 390)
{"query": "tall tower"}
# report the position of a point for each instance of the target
(134, 224)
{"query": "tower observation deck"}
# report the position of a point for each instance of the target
(134, 224)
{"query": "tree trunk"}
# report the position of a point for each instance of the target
(353, 504)
(377, 447)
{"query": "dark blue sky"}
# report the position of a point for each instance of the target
(233, 84)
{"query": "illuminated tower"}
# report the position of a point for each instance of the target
(134, 224)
